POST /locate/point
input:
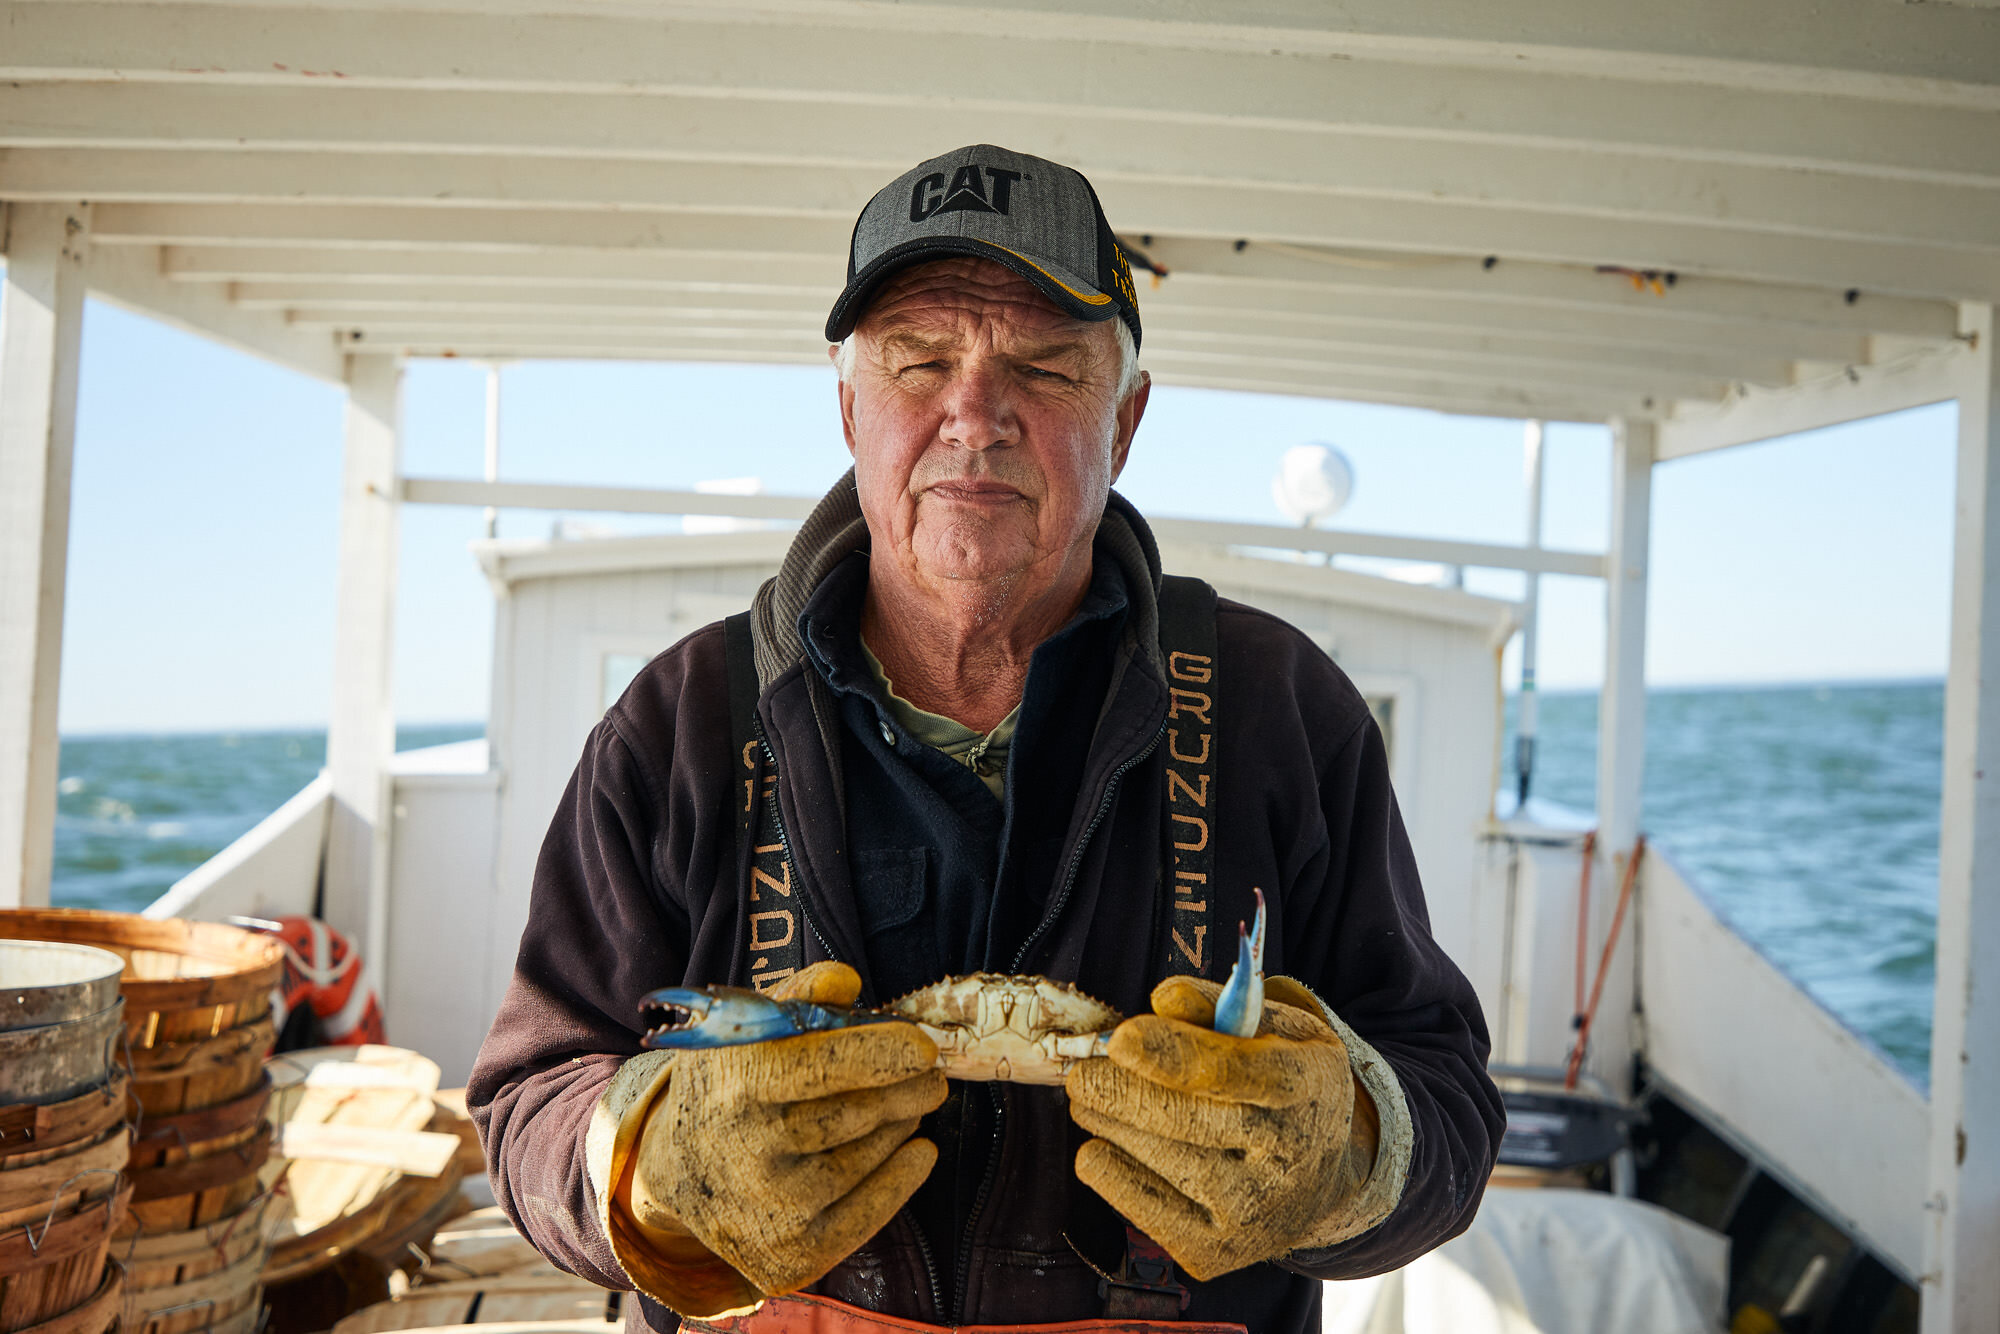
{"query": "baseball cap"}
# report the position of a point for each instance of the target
(1039, 218)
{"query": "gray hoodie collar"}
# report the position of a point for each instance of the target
(835, 530)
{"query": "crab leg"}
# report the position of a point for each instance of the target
(1241, 1004)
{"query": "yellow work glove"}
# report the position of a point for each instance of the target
(782, 1157)
(1226, 1150)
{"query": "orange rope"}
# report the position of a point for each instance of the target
(1604, 964)
(1583, 925)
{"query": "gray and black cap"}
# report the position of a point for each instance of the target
(1039, 218)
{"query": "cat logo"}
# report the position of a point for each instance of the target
(967, 193)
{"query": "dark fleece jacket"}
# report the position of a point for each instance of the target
(640, 886)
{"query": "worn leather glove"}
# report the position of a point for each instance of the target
(782, 1157)
(1226, 1150)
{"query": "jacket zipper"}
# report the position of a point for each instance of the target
(1056, 906)
(979, 1203)
(930, 1265)
(785, 842)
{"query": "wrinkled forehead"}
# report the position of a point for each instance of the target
(964, 294)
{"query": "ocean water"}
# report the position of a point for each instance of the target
(1808, 815)
(136, 813)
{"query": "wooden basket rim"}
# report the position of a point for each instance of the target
(190, 1128)
(158, 1247)
(200, 1174)
(242, 1276)
(24, 1187)
(24, 1247)
(51, 1125)
(251, 962)
(176, 1060)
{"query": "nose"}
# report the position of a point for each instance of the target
(979, 407)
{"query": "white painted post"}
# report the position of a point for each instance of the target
(1527, 722)
(361, 734)
(1961, 1287)
(492, 442)
(41, 326)
(1621, 736)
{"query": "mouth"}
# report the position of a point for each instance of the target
(974, 492)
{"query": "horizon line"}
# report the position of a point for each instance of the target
(1664, 687)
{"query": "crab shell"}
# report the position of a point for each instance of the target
(1024, 1030)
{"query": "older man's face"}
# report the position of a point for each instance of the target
(984, 422)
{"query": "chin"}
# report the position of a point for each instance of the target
(973, 552)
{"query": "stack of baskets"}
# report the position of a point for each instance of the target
(197, 1026)
(63, 1144)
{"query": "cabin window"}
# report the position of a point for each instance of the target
(616, 672)
(1383, 707)
(1392, 701)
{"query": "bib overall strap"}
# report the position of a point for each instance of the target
(773, 949)
(1187, 644)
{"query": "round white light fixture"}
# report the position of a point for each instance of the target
(1313, 482)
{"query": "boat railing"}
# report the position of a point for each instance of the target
(271, 871)
(1731, 1036)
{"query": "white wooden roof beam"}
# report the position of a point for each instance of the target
(1378, 318)
(819, 242)
(372, 278)
(130, 276)
(1745, 416)
(1436, 394)
(341, 308)
(1181, 120)
(1650, 393)
(1247, 264)
(1518, 390)
(383, 279)
(348, 304)
(1936, 56)
(1243, 335)
(835, 195)
(280, 241)
(1196, 175)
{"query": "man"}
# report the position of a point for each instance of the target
(988, 736)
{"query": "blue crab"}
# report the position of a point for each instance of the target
(987, 1026)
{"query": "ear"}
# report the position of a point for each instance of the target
(846, 391)
(1129, 413)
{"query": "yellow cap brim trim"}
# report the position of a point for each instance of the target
(1088, 298)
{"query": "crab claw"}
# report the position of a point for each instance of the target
(684, 1017)
(1241, 1005)
(688, 1017)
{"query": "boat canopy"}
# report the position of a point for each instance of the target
(1564, 210)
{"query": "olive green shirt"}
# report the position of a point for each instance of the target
(985, 755)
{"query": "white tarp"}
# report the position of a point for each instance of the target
(1549, 1262)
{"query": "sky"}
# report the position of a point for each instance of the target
(204, 519)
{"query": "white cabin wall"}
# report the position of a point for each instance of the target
(441, 865)
(1526, 977)
(546, 702)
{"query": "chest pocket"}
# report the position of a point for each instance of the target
(892, 897)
